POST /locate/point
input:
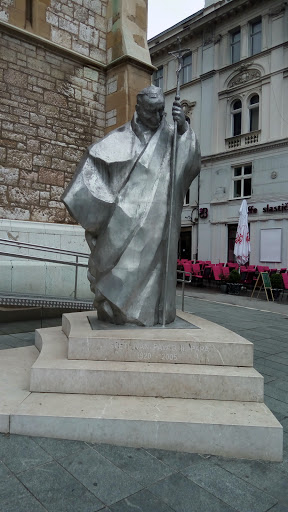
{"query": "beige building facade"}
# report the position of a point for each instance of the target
(234, 92)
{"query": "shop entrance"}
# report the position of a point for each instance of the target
(184, 244)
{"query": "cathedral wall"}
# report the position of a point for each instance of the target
(52, 108)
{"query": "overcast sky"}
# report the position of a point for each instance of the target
(163, 14)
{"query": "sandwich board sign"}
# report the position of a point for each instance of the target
(263, 281)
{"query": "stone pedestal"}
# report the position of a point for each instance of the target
(189, 387)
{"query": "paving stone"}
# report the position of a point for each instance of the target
(176, 460)
(280, 507)
(274, 392)
(4, 346)
(279, 358)
(20, 453)
(268, 379)
(14, 497)
(231, 489)
(142, 501)
(4, 471)
(25, 336)
(59, 448)
(68, 494)
(272, 364)
(109, 483)
(276, 406)
(5, 338)
(261, 475)
(281, 384)
(266, 370)
(183, 495)
(17, 342)
(138, 463)
(16, 327)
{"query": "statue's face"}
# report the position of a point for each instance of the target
(150, 111)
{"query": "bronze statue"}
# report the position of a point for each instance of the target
(120, 194)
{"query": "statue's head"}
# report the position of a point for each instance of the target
(150, 107)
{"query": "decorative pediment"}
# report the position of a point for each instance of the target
(188, 107)
(245, 75)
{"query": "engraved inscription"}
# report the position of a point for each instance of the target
(166, 352)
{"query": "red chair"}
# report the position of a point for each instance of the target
(285, 283)
(225, 271)
(260, 268)
(196, 273)
(187, 265)
(217, 271)
(273, 271)
(232, 265)
(282, 270)
(207, 273)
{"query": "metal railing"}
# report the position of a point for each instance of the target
(34, 247)
(183, 281)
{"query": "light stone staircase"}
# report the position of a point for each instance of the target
(188, 389)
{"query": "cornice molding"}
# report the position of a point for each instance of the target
(196, 27)
(259, 148)
(124, 59)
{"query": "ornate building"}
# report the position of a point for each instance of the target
(234, 92)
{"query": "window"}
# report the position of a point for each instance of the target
(255, 37)
(235, 45)
(254, 113)
(187, 198)
(29, 11)
(242, 181)
(158, 77)
(236, 117)
(186, 72)
(232, 230)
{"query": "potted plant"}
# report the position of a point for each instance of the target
(277, 284)
(234, 282)
(224, 283)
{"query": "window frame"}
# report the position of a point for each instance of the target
(235, 112)
(186, 68)
(253, 36)
(158, 77)
(241, 177)
(233, 44)
(187, 198)
(251, 107)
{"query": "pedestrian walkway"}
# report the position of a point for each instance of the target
(38, 474)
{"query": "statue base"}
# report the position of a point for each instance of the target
(187, 389)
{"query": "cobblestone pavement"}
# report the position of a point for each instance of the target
(38, 474)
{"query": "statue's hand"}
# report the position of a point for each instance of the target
(179, 117)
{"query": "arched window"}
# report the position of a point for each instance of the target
(254, 113)
(236, 117)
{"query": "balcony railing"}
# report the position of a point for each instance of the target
(245, 139)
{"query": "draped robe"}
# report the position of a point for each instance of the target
(120, 195)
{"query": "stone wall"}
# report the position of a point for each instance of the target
(51, 109)
(78, 25)
(62, 89)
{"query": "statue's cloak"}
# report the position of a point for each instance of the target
(120, 195)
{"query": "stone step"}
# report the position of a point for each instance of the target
(204, 343)
(230, 429)
(53, 372)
